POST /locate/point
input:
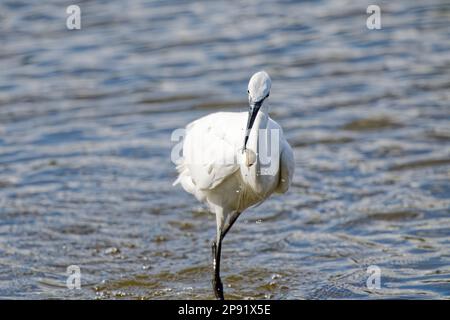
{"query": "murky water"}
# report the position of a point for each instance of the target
(85, 124)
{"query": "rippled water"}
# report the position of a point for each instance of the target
(85, 124)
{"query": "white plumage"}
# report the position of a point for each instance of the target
(227, 172)
(212, 154)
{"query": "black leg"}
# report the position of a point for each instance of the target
(230, 222)
(217, 283)
(216, 249)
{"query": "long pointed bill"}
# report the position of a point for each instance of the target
(254, 108)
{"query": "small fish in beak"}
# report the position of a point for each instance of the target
(250, 157)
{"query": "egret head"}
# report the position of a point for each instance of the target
(258, 90)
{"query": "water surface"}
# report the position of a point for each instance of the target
(85, 124)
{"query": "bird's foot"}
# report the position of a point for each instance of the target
(218, 288)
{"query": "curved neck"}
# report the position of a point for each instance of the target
(260, 123)
(253, 173)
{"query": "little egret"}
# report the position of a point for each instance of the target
(223, 162)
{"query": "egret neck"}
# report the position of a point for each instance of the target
(251, 173)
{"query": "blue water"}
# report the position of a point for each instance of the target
(86, 118)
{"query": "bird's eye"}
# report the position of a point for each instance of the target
(248, 91)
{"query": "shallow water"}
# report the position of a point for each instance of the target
(85, 172)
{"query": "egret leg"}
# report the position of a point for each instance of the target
(217, 282)
(216, 252)
(230, 223)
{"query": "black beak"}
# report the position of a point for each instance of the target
(254, 108)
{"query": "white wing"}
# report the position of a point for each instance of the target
(287, 165)
(210, 148)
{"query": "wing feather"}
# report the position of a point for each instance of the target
(287, 166)
(210, 148)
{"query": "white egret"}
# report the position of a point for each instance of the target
(222, 163)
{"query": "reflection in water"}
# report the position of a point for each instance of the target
(85, 124)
